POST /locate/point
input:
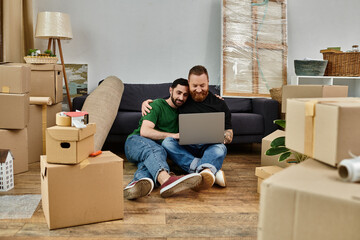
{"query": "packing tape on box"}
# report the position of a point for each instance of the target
(309, 127)
(40, 101)
(63, 120)
(5, 89)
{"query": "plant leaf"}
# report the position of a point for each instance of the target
(284, 156)
(276, 151)
(278, 142)
(280, 122)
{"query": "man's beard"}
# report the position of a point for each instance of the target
(199, 97)
(176, 102)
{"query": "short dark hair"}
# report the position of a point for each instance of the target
(198, 70)
(180, 81)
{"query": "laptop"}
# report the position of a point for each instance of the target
(201, 128)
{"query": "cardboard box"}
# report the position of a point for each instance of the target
(311, 91)
(265, 145)
(17, 142)
(329, 134)
(309, 201)
(265, 172)
(47, 81)
(14, 109)
(15, 78)
(69, 145)
(84, 193)
(35, 141)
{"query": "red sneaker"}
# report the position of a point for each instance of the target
(177, 184)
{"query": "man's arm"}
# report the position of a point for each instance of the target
(228, 136)
(147, 130)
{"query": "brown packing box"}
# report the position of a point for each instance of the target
(15, 78)
(311, 91)
(309, 201)
(89, 192)
(14, 109)
(47, 81)
(265, 145)
(264, 172)
(17, 142)
(35, 141)
(69, 145)
(329, 134)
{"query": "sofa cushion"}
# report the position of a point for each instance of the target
(135, 94)
(239, 105)
(247, 123)
(125, 123)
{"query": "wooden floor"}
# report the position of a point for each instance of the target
(218, 213)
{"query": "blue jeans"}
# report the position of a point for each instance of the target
(149, 156)
(196, 157)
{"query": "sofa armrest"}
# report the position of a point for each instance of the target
(78, 102)
(269, 109)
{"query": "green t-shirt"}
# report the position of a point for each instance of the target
(162, 115)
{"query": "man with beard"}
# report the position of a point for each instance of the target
(205, 159)
(143, 147)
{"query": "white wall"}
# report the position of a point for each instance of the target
(140, 41)
(154, 41)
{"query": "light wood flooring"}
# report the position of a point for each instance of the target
(218, 213)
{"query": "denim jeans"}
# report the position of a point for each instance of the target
(196, 157)
(149, 156)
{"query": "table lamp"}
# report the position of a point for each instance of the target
(55, 26)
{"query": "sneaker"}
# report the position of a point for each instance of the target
(177, 184)
(220, 178)
(139, 188)
(208, 180)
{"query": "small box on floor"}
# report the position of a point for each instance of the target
(329, 134)
(311, 91)
(14, 109)
(265, 145)
(309, 201)
(69, 145)
(89, 192)
(6, 170)
(264, 172)
(17, 142)
(35, 128)
(47, 81)
(15, 78)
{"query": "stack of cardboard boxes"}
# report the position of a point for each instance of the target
(309, 200)
(77, 189)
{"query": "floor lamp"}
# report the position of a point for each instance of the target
(55, 26)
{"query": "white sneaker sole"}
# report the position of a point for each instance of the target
(186, 182)
(220, 179)
(141, 189)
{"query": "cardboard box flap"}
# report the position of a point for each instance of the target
(15, 78)
(45, 67)
(265, 172)
(71, 133)
(335, 91)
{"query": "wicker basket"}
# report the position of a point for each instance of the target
(40, 60)
(276, 94)
(342, 63)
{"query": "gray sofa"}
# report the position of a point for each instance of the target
(252, 118)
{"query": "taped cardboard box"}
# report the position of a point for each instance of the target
(309, 201)
(17, 142)
(35, 141)
(89, 192)
(265, 145)
(15, 78)
(311, 91)
(47, 81)
(265, 172)
(14, 109)
(69, 145)
(325, 128)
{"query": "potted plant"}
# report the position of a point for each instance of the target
(277, 146)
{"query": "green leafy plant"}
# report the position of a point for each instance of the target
(32, 52)
(277, 146)
(48, 51)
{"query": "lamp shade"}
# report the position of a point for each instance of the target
(53, 25)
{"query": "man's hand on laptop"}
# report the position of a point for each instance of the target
(145, 107)
(228, 136)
